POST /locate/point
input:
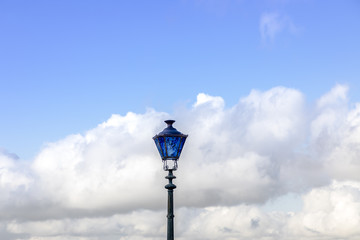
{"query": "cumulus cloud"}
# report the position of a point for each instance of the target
(108, 182)
(330, 212)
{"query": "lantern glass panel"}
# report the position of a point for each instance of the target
(182, 142)
(162, 147)
(170, 164)
(159, 147)
(172, 146)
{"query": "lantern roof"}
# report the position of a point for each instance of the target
(170, 130)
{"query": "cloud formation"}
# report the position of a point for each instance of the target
(272, 24)
(108, 182)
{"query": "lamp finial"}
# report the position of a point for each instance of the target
(169, 122)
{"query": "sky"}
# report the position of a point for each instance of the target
(267, 91)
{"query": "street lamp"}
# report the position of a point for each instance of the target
(170, 143)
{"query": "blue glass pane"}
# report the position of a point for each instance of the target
(182, 142)
(172, 146)
(162, 146)
(158, 147)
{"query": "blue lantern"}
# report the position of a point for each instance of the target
(170, 143)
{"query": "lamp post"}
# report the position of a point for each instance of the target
(170, 143)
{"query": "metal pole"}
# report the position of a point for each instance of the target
(170, 216)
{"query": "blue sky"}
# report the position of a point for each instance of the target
(267, 90)
(67, 66)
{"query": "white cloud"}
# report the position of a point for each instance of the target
(203, 99)
(329, 212)
(273, 23)
(337, 95)
(108, 183)
(332, 212)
